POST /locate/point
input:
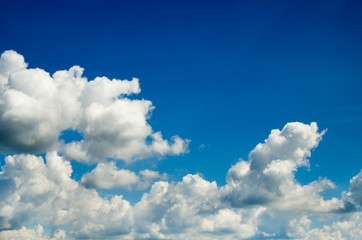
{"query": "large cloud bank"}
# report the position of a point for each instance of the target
(40, 200)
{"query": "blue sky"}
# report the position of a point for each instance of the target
(221, 74)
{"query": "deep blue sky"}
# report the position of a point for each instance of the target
(221, 73)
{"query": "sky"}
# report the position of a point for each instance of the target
(180, 120)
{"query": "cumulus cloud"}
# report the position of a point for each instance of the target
(147, 177)
(106, 175)
(45, 193)
(36, 107)
(10, 62)
(191, 209)
(32, 234)
(268, 177)
(353, 198)
(41, 191)
(347, 228)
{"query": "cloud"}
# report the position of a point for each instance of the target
(347, 228)
(191, 209)
(30, 234)
(268, 179)
(10, 62)
(353, 198)
(35, 108)
(39, 192)
(45, 193)
(147, 177)
(106, 176)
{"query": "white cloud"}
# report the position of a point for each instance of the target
(32, 234)
(348, 228)
(191, 209)
(268, 177)
(36, 107)
(45, 193)
(261, 199)
(106, 175)
(35, 192)
(10, 62)
(147, 177)
(353, 198)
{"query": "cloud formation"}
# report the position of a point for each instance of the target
(261, 198)
(32, 234)
(43, 192)
(272, 165)
(106, 176)
(35, 108)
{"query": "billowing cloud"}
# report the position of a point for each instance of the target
(191, 209)
(106, 176)
(36, 107)
(353, 198)
(349, 227)
(268, 177)
(32, 234)
(43, 192)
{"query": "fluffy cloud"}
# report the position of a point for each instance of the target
(353, 198)
(106, 175)
(31, 234)
(36, 107)
(268, 177)
(43, 192)
(10, 62)
(147, 177)
(347, 228)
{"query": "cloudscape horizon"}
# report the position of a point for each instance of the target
(261, 197)
(200, 120)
